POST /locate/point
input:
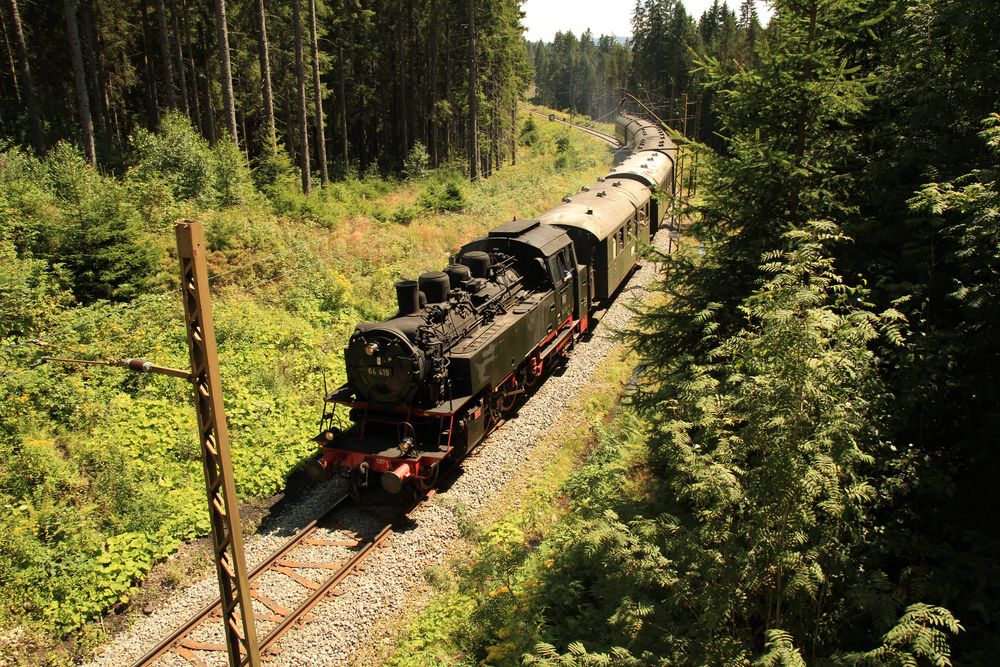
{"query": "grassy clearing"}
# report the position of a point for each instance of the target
(476, 598)
(99, 470)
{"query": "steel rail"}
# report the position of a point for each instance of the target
(172, 641)
(324, 589)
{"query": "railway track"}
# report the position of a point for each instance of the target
(600, 135)
(272, 616)
(321, 554)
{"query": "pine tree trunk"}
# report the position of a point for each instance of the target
(435, 161)
(513, 130)
(80, 80)
(342, 93)
(447, 88)
(165, 58)
(152, 103)
(495, 130)
(111, 126)
(27, 83)
(225, 69)
(265, 76)
(181, 74)
(209, 102)
(300, 78)
(318, 95)
(88, 38)
(404, 138)
(473, 147)
(195, 73)
(10, 58)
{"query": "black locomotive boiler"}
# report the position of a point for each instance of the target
(469, 341)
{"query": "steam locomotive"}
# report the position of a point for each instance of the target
(468, 342)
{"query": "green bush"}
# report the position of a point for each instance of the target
(73, 217)
(179, 159)
(566, 155)
(229, 231)
(529, 132)
(405, 214)
(231, 175)
(23, 197)
(175, 156)
(444, 197)
(417, 161)
(270, 167)
(31, 293)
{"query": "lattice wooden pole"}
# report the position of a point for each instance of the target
(227, 536)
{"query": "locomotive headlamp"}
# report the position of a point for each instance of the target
(406, 444)
(371, 349)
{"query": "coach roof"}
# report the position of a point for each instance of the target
(600, 210)
(652, 168)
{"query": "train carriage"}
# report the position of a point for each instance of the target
(655, 171)
(608, 225)
(626, 129)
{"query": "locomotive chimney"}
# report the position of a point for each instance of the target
(407, 297)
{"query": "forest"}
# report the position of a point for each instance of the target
(802, 469)
(337, 85)
(657, 67)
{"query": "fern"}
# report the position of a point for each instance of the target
(922, 632)
(780, 651)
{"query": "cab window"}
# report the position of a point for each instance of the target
(564, 264)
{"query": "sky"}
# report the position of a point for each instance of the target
(543, 18)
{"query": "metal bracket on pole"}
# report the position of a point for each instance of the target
(227, 536)
(137, 365)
